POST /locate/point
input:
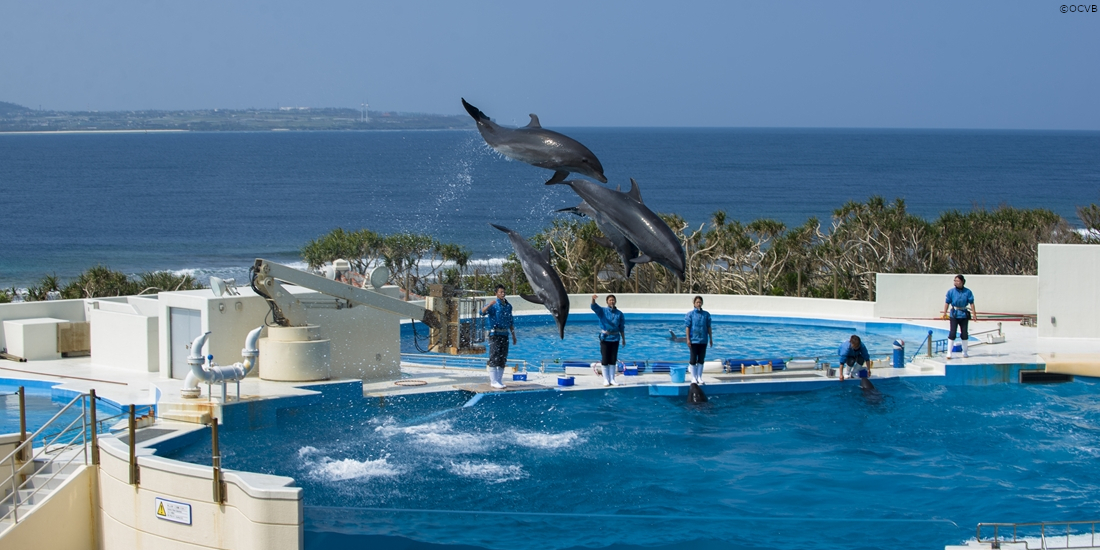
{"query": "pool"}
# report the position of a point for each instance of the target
(43, 400)
(915, 467)
(38, 397)
(735, 336)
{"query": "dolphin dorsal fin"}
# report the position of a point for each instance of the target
(635, 192)
(534, 121)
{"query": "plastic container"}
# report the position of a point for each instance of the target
(631, 370)
(565, 380)
(899, 354)
(521, 376)
(678, 374)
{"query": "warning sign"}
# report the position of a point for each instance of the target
(171, 510)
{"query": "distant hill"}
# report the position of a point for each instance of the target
(11, 108)
(16, 118)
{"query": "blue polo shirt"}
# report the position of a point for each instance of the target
(958, 300)
(611, 323)
(699, 322)
(849, 355)
(500, 317)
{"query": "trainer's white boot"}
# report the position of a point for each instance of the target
(950, 348)
(610, 370)
(966, 344)
(606, 375)
(496, 378)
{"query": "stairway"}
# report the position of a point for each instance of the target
(51, 473)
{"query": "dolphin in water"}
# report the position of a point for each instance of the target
(626, 211)
(613, 238)
(672, 336)
(549, 291)
(695, 394)
(538, 146)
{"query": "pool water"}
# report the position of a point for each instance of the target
(740, 337)
(915, 467)
(39, 404)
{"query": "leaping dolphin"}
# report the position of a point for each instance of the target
(613, 238)
(636, 221)
(538, 146)
(549, 291)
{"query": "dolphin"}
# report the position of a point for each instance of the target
(539, 147)
(636, 222)
(549, 291)
(695, 394)
(613, 238)
(672, 336)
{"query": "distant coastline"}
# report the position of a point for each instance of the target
(18, 119)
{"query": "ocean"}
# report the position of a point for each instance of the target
(209, 203)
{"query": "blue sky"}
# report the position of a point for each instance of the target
(969, 64)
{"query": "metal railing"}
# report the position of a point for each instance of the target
(53, 448)
(46, 459)
(1050, 534)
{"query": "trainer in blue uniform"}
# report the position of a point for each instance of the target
(961, 302)
(612, 331)
(500, 324)
(697, 322)
(853, 353)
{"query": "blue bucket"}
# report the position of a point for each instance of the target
(565, 380)
(677, 374)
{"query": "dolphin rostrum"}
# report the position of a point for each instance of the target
(654, 239)
(613, 238)
(549, 291)
(538, 146)
(695, 394)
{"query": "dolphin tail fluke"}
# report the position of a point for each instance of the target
(474, 112)
(559, 177)
(572, 210)
(532, 298)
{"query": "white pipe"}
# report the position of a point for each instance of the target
(212, 373)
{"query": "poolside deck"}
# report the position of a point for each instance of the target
(1021, 350)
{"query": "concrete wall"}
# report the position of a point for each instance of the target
(365, 341)
(261, 511)
(922, 296)
(1069, 291)
(124, 339)
(70, 310)
(63, 522)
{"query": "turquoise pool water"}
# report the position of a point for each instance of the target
(915, 467)
(745, 337)
(39, 403)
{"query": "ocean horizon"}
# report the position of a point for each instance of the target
(209, 203)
